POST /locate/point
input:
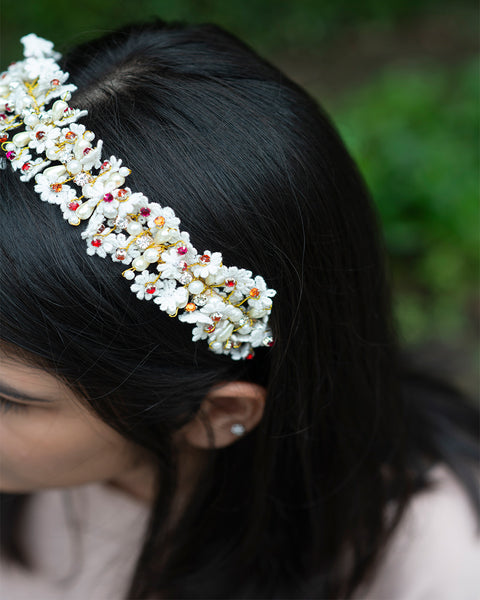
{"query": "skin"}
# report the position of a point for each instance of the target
(59, 443)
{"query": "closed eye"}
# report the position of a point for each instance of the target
(8, 405)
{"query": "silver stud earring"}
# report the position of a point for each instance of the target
(237, 429)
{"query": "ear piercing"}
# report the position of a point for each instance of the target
(237, 429)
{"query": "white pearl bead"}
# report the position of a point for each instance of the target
(134, 228)
(85, 211)
(53, 173)
(225, 332)
(21, 139)
(129, 275)
(151, 255)
(140, 263)
(80, 146)
(117, 179)
(196, 287)
(31, 120)
(58, 109)
(162, 236)
(109, 211)
(74, 167)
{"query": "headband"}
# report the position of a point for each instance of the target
(228, 307)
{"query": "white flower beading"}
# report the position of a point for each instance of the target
(227, 307)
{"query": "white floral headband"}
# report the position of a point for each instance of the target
(228, 306)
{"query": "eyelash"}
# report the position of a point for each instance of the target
(8, 405)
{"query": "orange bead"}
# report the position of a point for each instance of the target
(56, 187)
(159, 221)
(254, 292)
(190, 307)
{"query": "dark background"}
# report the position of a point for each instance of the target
(400, 79)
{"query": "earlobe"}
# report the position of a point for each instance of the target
(230, 410)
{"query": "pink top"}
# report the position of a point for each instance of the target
(434, 555)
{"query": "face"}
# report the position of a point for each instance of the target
(48, 439)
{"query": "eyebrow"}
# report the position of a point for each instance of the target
(13, 393)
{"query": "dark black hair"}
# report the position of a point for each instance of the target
(255, 169)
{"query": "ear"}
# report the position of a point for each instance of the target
(227, 404)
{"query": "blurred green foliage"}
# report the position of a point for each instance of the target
(415, 138)
(268, 25)
(413, 133)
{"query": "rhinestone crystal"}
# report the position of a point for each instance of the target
(185, 278)
(121, 222)
(144, 242)
(237, 429)
(200, 300)
(81, 179)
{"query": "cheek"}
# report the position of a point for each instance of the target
(43, 448)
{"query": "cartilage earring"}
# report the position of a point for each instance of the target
(237, 429)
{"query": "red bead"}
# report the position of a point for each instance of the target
(96, 243)
(122, 193)
(105, 165)
(26, 166)
(70, 135)
(145, 212)
(3, 116)
(250, 356)
(151, 290)
(230, 282)
(8, 108)
(3, 137)
(87, 151)
(182, 250)
(40, 135)
(73, 205)
(11, 155)
(205, 258)
(210, 328)
(108, 198)
(55, 82)
(101, 229)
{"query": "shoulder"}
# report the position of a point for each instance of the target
(435, 551)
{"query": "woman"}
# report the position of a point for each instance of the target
(137, 463)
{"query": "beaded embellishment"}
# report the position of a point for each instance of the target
(228, 307)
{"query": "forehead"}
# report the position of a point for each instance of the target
(19, 375)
